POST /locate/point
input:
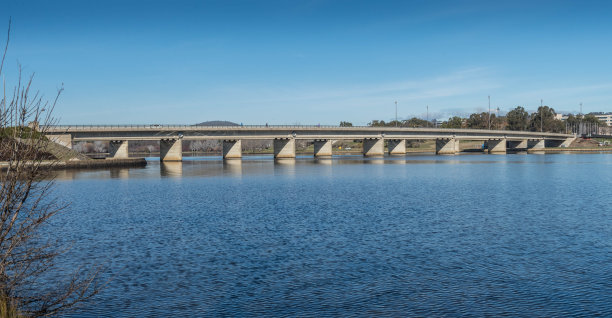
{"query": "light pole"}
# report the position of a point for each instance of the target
(497, 116)
(541, 117)
(395, 113)
(427, 115)
(580, 122)
(489, 120)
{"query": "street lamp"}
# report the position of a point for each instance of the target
(497, 116)
(395, 113)
(541, 117)
(489, 111)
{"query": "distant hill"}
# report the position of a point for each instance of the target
(217, 123)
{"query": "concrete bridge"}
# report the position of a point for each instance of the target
(374, 138)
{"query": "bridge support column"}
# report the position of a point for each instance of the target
(284, 148)
(447, 146)
(497, 146)
(64, 140)
(322, 148)
(374, 147)
(232, 149)
(517, 144)
(535, 145)
(118, 149)
(396, 146)
(171, 150)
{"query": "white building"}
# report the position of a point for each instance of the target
(604, 117)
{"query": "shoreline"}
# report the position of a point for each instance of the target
(141, 161)
(87, 164)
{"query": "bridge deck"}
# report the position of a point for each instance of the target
(186, 132)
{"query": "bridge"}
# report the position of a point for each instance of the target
(374, 138)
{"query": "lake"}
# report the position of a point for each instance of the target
(420, 235)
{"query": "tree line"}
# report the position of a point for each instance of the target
(544, 119)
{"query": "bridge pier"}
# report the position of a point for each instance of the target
(284, 148)
(517, 144)
(322, 148)
(447, 146)
(373, 147)
(171, 150)
(536, 144)
(232, 149)
(118, 149)
(396, 146)
(496, 146)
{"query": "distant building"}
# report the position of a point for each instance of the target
(604, 117)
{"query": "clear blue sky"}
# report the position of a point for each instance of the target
(308, 62)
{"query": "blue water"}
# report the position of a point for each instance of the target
(465, 235)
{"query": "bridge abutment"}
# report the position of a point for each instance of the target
(396, 146)
(171, 149)
(64, 140)
(232, 149)
(284, 148)
(118, 149)
(447, 146)
(568, 142)
(322, 148)
(373, 147)
(560, 143)
(496, 146)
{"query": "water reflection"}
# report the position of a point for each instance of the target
(67, 174)
(266, 166)
(377, 161)
(119, 173)
(323, 161)
(398, 161)
(232, 167)
(284, 167)
(171, 169)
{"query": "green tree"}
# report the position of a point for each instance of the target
(415, 122)
(377, 123)
(518, 119)
(346, 124)
(453, 122)
(480, 120)
(544, 120)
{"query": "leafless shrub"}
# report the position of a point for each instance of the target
(27, 258)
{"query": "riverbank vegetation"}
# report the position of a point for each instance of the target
(31, 281)
(545, 119)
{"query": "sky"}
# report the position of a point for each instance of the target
(308, 62)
